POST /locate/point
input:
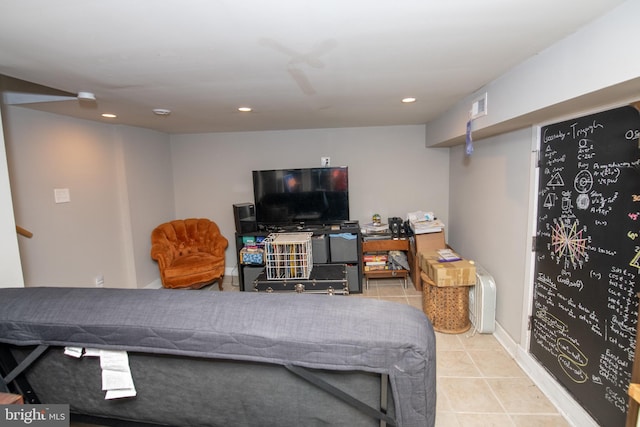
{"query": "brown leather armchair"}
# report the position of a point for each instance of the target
(190, 253)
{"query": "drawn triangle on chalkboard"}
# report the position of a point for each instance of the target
(556, 180)
(635, 262)
(550, 200)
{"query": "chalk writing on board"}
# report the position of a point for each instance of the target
(585, 308)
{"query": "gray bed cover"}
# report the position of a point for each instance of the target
(313, 331)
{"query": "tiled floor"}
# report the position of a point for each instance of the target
(479, 384)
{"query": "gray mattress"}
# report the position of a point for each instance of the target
(173, 334)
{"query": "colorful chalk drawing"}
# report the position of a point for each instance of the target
(568, 243)
(635, 262)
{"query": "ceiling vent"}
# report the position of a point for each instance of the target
(479, 107)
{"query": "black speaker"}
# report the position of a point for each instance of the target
(245, 217)
(395, 225)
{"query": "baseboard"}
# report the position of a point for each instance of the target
(230, 271)
(559, 397)
(156, 284)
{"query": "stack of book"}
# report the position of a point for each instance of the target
(371, 228)
(375, 262)
(424, 222)
(447, 255)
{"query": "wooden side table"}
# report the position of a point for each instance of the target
(385, 245)
(10, 399)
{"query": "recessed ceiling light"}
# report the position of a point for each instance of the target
(408, 100)
(245, 109)
(109, 115)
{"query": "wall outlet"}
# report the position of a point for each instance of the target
(99, 281)
(325, 161)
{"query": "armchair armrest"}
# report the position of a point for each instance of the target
(218, 244)
(163, 253)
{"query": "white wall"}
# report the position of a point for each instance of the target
(10, 267)
(113, 174)
(390, 171)
(489, 204)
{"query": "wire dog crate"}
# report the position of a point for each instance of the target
(288, 256)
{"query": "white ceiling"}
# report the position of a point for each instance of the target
(298, 64)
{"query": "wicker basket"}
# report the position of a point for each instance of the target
(447, 307)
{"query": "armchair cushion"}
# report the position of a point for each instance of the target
(190, 253)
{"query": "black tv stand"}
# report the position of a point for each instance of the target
(336, 243)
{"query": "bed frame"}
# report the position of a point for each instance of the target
(219, 359)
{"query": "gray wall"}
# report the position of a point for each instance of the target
(120, 184)
(489, 202)
(390, 171)
(124, 181)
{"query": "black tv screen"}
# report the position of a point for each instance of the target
(296, 196)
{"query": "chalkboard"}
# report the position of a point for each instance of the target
(585, 308)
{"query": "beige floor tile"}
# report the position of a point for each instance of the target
(496, 363)
(369, 296)
(372, 291)
(455, 364)
(412, 291)
(415, 301)
(445, 342)
(520, 395)
(484, 420)
(472, 341)
(539, 420)
(396, 299)
(470, 395)
(390, 291)
(442, 400)
(447, 419)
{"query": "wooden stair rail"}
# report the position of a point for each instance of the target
(23, 232)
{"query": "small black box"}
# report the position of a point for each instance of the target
(244, 215)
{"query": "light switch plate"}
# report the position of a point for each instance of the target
(62, 195)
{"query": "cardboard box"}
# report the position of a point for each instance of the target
(454, 273)
(430, 242)
(421, 243)
(425, 259)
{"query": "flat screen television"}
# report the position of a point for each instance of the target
(301, 196)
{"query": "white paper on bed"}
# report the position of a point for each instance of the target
(116, 374)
